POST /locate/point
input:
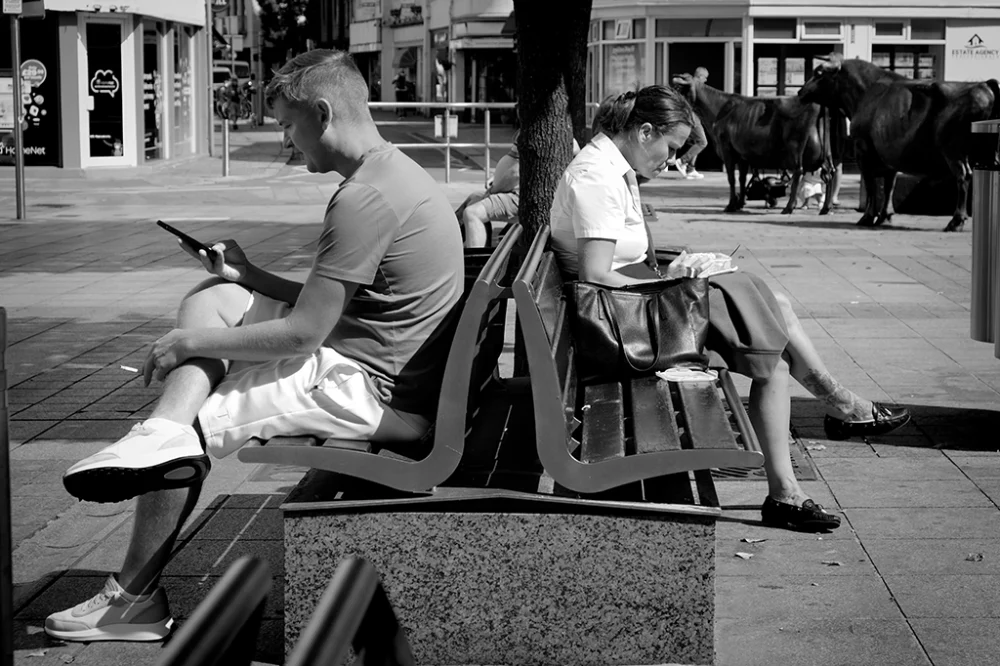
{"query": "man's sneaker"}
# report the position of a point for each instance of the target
(113, 615)
(692, 174)
(682, 168)
(155, 455)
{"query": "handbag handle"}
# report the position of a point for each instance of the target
(653, 318)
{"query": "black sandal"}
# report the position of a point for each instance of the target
(810, 517)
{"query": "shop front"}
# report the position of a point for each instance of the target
(771, 48)
(111, 89)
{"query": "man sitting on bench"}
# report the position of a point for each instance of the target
(354, 353)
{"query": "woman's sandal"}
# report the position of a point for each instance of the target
(809, 517)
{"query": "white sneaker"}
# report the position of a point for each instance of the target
(156, 454)
(110, 616)
(682, 168)
(692, 174)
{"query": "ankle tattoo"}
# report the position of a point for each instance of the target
(824, 387)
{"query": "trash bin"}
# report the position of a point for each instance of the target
(985, 162)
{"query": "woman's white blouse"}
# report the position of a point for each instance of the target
(598, 197)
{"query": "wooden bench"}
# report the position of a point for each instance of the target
(468, 392)
(632, 435)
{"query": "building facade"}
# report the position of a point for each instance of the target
(435, 50)
(107, 86)
(770, 47)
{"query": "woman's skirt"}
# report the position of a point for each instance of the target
(746, 332)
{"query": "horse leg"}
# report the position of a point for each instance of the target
(793, 194)
(734, 204)
(744, 167)
(888, 185)
(868, 181)
(963, 176)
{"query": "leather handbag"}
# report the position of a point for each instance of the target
(625, 332)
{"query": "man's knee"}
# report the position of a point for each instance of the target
(215, 295)
(475, 213)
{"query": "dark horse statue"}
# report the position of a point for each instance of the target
(901, 125)
(779, 133)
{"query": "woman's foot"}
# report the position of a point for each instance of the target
(809, 517)
(884, 419)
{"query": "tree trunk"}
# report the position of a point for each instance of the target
(551, 60)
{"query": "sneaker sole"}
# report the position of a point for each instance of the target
(117, 484)
(119, 632)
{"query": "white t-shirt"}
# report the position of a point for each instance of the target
(598, 197)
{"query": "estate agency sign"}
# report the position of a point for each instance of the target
(972, 51)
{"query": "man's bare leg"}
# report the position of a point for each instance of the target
(159, 516)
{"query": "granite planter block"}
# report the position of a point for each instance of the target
(520, 581)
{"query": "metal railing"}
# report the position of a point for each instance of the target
(448, 144)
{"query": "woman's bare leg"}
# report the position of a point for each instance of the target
(807, 367)
(770, 411)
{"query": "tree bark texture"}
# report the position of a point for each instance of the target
(552, 60)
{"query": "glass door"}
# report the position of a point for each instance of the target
(108, 122)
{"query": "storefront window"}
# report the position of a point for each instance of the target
(104, 78)
(911, 61)
(39, 91)
(624, 67)
(182, 91)
(775, 28)
(927, 29)
(699, 27)
(894, 29)
(152, 93)
(781, 69)
(822, 29)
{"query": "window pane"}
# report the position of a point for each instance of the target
(927, 29)
(725, 27)
(770, 28)
(889, 29)
(814, 28)
(659, 65)
(609, 30)
(639, 29)
(624, 67)
(699, 27)
(682, 28)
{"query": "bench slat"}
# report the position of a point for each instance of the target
(704, 417)
(653, 418)
(603, 423)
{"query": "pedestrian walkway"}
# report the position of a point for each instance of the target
(912, 578)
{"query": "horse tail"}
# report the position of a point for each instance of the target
(995, 89)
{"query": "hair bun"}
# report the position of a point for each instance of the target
(627, 96)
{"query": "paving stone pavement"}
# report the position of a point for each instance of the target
(911, 578)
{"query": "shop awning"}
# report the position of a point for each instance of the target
(405, 58)
(191, 12)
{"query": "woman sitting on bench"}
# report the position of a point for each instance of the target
(598, 233)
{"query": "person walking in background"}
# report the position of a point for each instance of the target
(697, 142)
(402, 90)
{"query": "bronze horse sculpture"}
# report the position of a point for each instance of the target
(901, 125)
(779, 133)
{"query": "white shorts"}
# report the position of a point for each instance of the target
(324, 394)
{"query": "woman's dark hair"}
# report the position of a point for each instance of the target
(661, 106)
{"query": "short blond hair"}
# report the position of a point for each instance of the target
(321, 73)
